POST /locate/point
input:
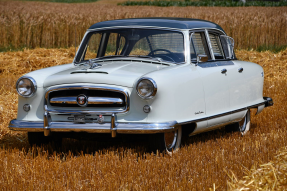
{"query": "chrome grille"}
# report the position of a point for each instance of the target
(96, 98)
(99, 99)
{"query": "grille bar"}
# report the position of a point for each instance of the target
(91, 100)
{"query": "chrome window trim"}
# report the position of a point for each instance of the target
(33, 82)
(57, 111)
(209, 44)
(154, 88)
(182, 31)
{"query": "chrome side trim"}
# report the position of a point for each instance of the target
(55, 111)
(91, 100)
(225, 113)
(122, 128)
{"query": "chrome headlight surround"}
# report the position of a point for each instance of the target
(152, 93)
(33, 86)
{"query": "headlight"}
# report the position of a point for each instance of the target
(146, 88)
(26, 86)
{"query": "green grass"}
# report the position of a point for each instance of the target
(271, 48)
(65, 1)
(205, 3)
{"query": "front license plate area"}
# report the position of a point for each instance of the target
(79, 119)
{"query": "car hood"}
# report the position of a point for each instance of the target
(123, 73)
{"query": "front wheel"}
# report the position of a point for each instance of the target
(166, 142)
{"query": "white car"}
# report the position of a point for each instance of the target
(165, 77)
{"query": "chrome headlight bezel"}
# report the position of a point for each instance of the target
(33, 85)
(154, 88)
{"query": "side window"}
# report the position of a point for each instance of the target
(228, 46)
(216, 46)
(198, 46)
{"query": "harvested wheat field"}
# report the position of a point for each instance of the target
(54, 25)
(215, 160)
(210, 161)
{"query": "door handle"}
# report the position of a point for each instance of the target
(240, 70)
(223, 71)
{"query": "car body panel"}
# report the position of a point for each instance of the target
(122, 73)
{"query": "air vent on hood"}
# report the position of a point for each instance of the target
(87, 72)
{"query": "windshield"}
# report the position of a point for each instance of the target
(148, 43)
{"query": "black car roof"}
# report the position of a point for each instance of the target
(178, 23)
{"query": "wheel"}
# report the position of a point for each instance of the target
(243, 126)
(166, 142)
(38, 138)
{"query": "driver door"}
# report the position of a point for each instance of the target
(214, 78)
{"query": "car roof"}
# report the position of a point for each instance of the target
(177, 23)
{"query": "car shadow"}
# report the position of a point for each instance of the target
(119, 145)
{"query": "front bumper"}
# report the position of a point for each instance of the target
(123, 128)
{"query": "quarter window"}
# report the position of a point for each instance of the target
(198, 46)
(216, 46)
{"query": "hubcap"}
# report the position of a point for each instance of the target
(170, 139)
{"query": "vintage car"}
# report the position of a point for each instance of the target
(164, 77)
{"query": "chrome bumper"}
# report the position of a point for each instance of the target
(113, 128)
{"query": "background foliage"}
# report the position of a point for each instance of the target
(38, 24)
(206, 3)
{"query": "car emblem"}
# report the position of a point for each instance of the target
(82, 100)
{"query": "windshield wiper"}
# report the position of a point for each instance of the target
(110, 56)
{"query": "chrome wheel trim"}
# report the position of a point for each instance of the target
(244, 128)
(171, 146)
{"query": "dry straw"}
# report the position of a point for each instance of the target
(206, 161)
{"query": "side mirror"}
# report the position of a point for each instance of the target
(199, 58)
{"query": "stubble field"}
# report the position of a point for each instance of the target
(214, 160)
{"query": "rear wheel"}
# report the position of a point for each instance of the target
(243, 126)
(166, 142)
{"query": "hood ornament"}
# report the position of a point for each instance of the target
(93, 65)
(89, 65)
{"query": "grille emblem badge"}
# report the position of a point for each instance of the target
(82, 100)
